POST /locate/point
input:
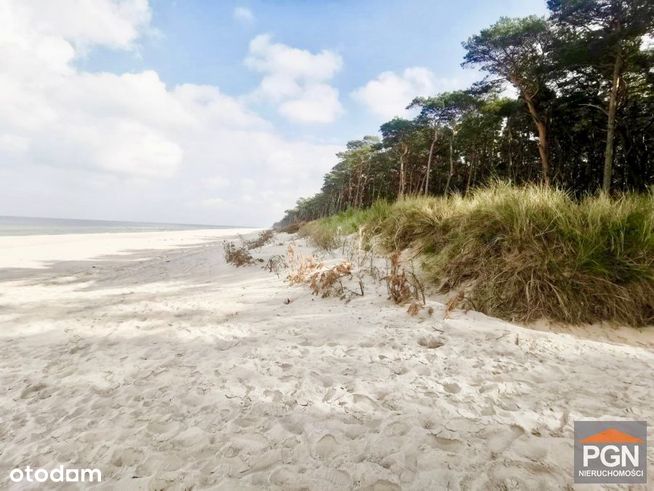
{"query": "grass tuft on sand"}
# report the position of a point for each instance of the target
(521, 253)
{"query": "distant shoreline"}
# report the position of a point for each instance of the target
(42, 250)
(20, 226)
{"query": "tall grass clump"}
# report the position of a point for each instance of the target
(524, 253)
(521, 253)
(328, 233)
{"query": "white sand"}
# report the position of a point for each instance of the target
(148, 357)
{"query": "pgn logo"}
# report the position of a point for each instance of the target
(611, 452)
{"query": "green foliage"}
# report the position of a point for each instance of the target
(582, 120)
(328, 233)
(321, 235)
(514, 49)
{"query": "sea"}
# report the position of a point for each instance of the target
(59, 226)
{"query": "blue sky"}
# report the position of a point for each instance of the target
(202, 42)
(210, 111)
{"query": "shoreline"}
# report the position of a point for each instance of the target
(25, 250)
(151, 359)
(17, 226)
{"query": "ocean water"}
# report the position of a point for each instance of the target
(58, 226)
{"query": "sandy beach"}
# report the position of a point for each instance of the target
(147, 356)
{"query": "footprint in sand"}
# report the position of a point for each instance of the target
(430, 342)
(364, 403)
(34, 390)
(326, 447)
(162, 428)
(282, 477)
(503, 438)
(453, 388)
(126, 457)
(338, 479)
(396, 428)
(447, 444)
(295, 427)
(382, 485)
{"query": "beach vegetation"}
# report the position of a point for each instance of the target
(237, 255)
(524, 253)
(264, 237)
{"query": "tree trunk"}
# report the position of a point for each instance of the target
(405, 150)
(349, 189)
(511, 177)
(431, 155)
(472, 166)
(357, 195)
(465, 193)
(365, 168)
(451, 172)
(543, 147)
(610, 129)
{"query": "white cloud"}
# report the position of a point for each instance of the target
(390, 93)
(111, 23)
(296, 80)
(126, 146)
(243, 15)
(317, 104)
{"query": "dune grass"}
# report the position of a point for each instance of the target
(329, 232)
(523, 253)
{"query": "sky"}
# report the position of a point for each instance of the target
(215, 112)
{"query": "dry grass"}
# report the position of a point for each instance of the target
(320, 236)
(238, 256)
(275, 264)
(329, 233)
(261, 240)
(403, 286)
(323, 281)
(302, 267)
(291, 228)
(329, 283)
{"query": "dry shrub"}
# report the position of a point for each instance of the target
(238, 256)
(404, 286)
(275, 264)
(302, 268)
(360, 251)
(329, 283)
(414, 309)
(261, 240)
(454, 302)
(326, 282)
(291, 228)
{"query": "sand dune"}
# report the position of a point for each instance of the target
(148, 357)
